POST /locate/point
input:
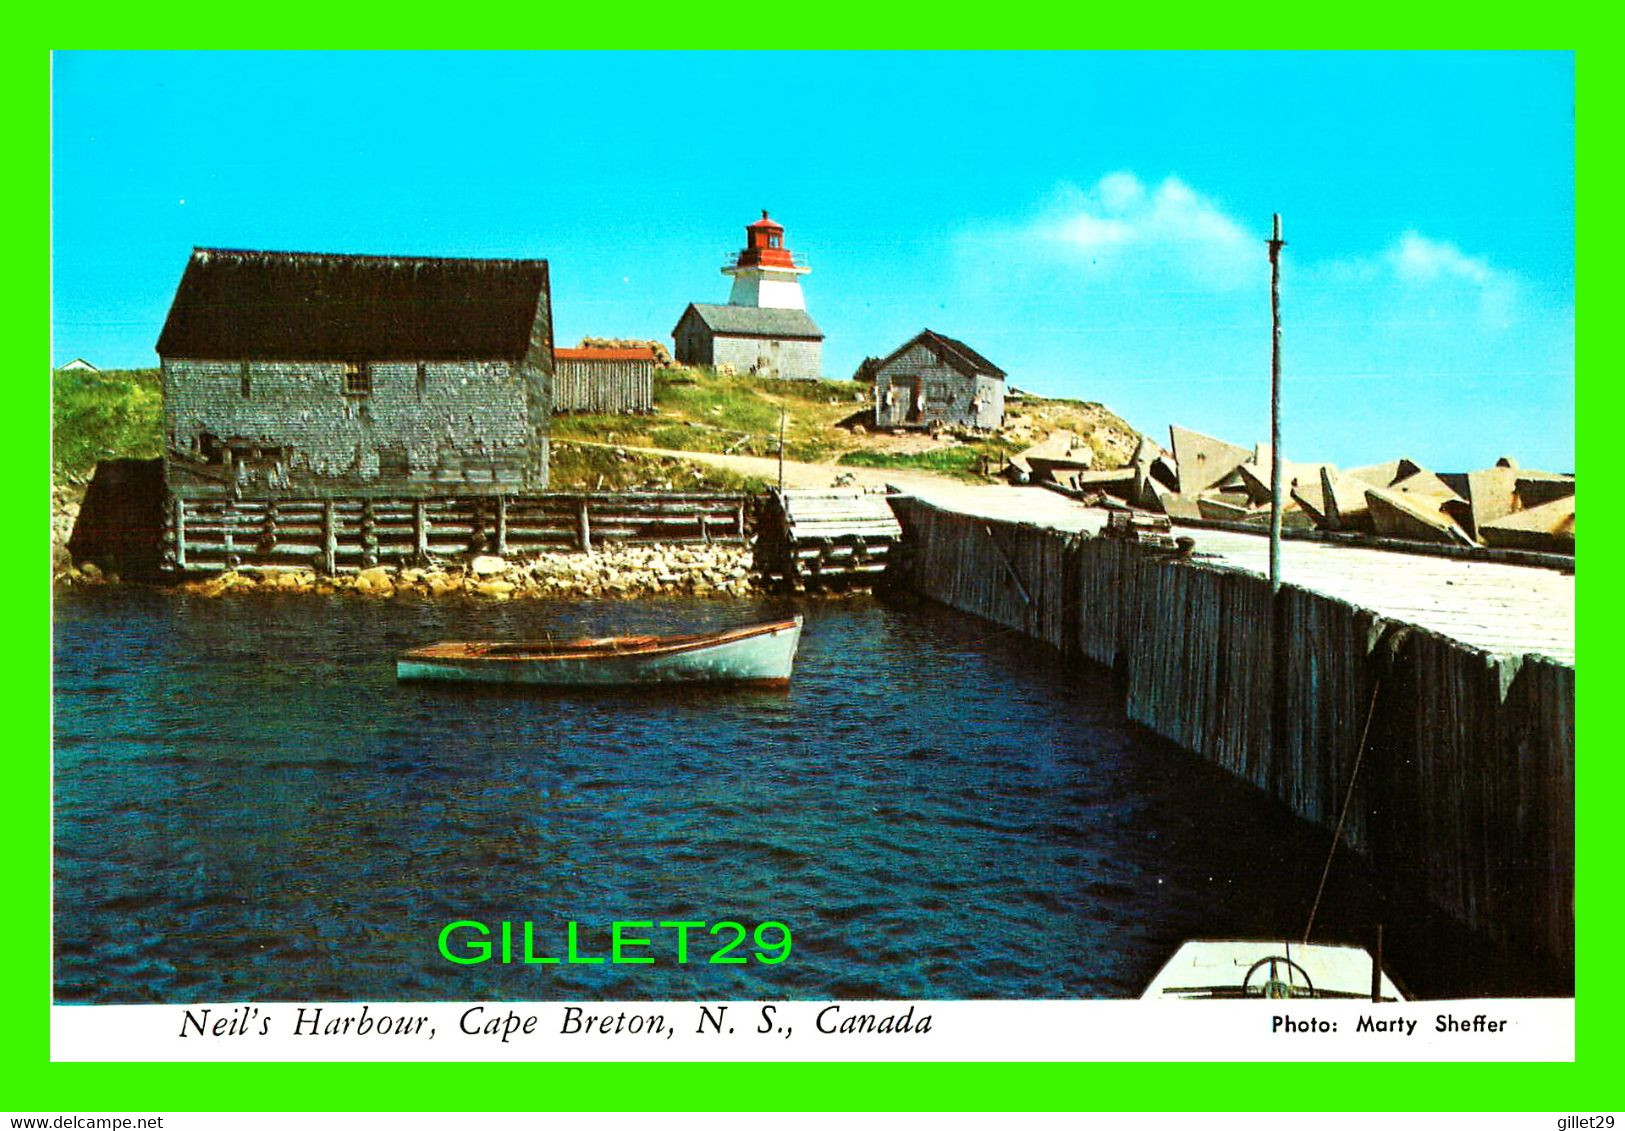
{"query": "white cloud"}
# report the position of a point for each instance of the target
(1168, 230)
(1417, 259)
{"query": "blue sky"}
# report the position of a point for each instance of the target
(1094, 223)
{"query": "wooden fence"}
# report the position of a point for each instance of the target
(1465, 795)
(344, 534)
(603, 385)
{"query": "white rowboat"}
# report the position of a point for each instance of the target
(759, 654)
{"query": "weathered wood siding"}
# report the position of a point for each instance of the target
(796, 359)
(601, 385)
(347, 533)
(468, 427)
(788, 358)
(1465, 796)
(949, 397)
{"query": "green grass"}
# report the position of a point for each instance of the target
(964, 461)
(96, 416)
(700, 411)
(576, 468)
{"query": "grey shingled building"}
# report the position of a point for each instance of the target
(933, 380)
(297, 373)
(768, 341)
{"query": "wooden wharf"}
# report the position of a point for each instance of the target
(1464, 798)
(1500, 609)
(335, 535)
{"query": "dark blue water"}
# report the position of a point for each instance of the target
(248, 806)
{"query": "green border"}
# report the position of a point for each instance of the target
(33, 1083)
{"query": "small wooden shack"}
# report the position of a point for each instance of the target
(599, 379)
(318, 374)
(935, 381)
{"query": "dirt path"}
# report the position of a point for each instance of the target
(796, 474)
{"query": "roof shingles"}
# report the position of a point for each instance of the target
(755, 321)
(952, 351)
(297, 306)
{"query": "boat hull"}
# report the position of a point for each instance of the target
(762, 657)
(1269, 969)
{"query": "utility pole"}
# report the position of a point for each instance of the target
(1277, 488)
(1278, 643)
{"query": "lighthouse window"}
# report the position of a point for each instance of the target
(774, 241)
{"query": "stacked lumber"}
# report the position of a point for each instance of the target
(824, 539)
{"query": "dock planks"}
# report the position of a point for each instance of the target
(1505, 610)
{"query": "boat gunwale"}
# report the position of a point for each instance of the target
(591, 648)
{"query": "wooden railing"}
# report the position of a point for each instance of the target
(336, 535)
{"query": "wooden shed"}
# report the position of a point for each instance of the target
(298, 373)
(934, 381)
(599, 379)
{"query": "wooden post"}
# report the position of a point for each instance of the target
(583, 526)
(330, 538)
(739, 520)
(502, 526)
(420, 530)
(268, 531)
(781, 448)
(1376, 968)
(369, 536)
(180, 532)
(228, 533)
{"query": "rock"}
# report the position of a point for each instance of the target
(484, 565)
(498, 590)
(91, 571)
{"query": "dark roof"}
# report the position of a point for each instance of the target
(755, 321)
(296, 306)
(952, 351)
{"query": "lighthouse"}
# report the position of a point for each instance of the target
(766, 274)
(764, 328)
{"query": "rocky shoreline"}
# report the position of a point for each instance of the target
(625, 571)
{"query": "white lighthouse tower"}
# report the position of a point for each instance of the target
(766, 274)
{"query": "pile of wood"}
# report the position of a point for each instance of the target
(662, 354)
(826, 539)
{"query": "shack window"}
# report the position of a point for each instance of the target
(242, 376)
(357, 380)
(423, 378)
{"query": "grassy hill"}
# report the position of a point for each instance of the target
(104, 415)
(97, 416)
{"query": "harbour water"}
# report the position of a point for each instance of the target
(248, 806)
